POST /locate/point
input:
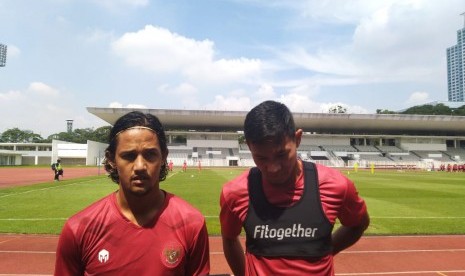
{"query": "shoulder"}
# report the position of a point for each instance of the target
(334, 186)
(236, 187)
(92, 212)
(332, 178)
(180, 212)
(176, 203)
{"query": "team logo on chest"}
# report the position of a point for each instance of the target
(103, 256)
(172, 254)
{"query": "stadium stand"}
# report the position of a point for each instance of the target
(341, 140)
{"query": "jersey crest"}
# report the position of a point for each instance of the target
(172, 254)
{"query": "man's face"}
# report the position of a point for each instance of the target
(277, 161)
(138, 159)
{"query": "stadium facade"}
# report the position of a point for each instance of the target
(215, 138)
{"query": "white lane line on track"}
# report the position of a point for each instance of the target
(401, 272)
(403, 251)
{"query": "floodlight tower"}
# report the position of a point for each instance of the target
(69, 125)
(3, 49)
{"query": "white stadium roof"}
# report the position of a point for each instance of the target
(214, 120)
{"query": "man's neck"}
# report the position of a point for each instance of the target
(141, 210)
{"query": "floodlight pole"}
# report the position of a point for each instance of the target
(3, 50)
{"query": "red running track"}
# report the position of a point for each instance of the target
(18, 176)
(372, 255)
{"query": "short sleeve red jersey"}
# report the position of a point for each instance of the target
(100, 241)
(339, 199)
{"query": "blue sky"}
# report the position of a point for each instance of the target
(66, 55)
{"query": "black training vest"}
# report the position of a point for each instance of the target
(301, 230)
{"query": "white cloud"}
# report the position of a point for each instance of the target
(418, 98)
(46, 111)
(120, 105)
(120, 4)
(12, 95)
(230, 103)
(392, 41)
(264, 92)
(185, 89)
(302, 103)
(136, 106)
(43, 89)
(98, 35)
(12, 51)
(161, 51)
(115, 105)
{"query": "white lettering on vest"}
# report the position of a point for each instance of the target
(296, 231)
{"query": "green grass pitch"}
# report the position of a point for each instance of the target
(399, 202)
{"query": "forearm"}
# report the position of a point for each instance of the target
(234, 254)
(345, 237)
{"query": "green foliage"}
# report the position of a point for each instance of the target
(460, 111)
(384, 111)
(399, 203)
(337, 109)
(81, 135)
(16, 135)
(428, 109)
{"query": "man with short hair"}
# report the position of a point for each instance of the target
(286, 206)
(140, 229)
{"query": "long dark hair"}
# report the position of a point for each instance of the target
(135, 119)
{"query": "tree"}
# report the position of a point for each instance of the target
(16, 135)
(81, 135)
(337, 109)
(384, 111)
(101, 134)
(460, 111)
(428, 109)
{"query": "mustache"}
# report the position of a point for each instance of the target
(141, 176)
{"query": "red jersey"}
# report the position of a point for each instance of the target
(100, 241)
(339, 199)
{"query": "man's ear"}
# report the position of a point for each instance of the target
(298, 137)
(110, 159)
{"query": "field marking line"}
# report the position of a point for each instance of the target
(221, 252)
(401, 272)
(43, 189)
(31, 219)
(441, 273)
(53, 252)
(25, 252)
(418, 217)
(25, 274)
(404, 251)
(173, 174)
(8, 240)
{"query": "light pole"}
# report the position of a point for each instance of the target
(3, 49)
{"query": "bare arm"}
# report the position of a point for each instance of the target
(234, 254)
(345, 236)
